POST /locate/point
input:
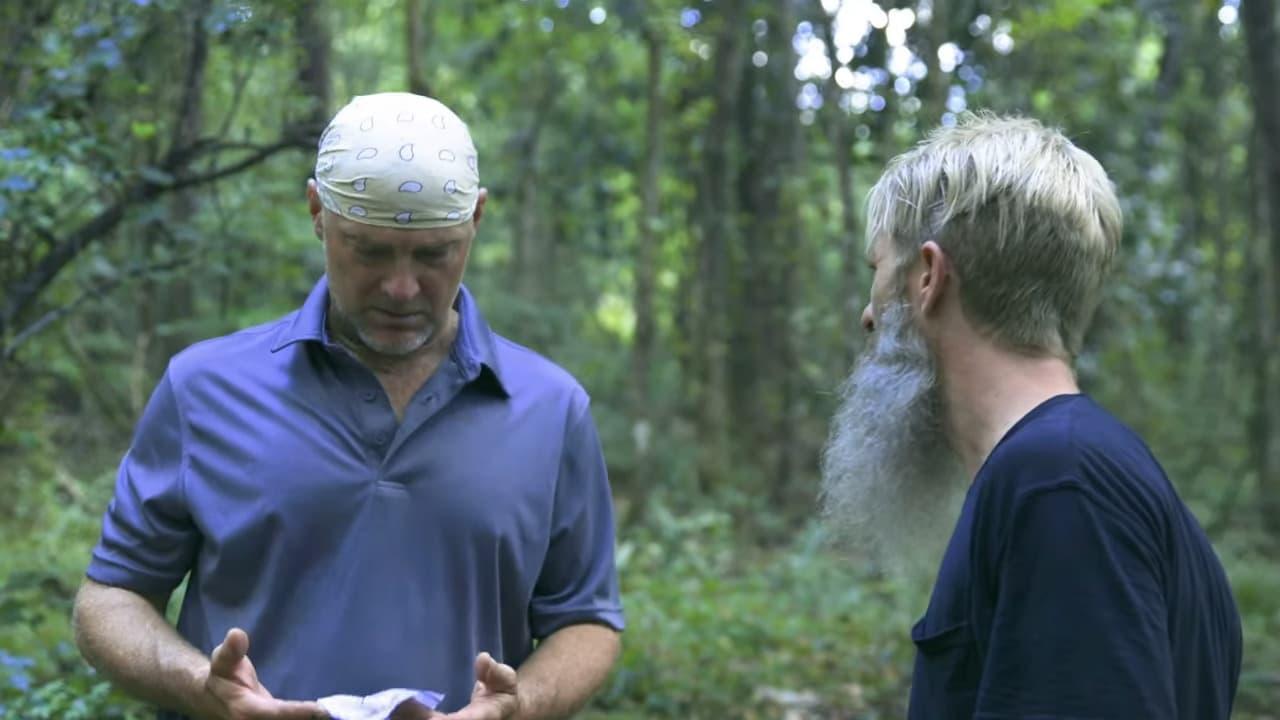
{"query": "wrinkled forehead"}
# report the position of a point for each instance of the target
(365, 235)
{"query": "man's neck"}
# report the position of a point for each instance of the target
(989, 389)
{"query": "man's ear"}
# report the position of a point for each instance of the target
(317, 209)
(932, 278)
(480, 198)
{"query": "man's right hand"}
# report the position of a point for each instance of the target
(232, 691)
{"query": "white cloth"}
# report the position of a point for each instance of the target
(398, 160)
(378, 706)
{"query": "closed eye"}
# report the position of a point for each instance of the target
(375, 252)
(433, 255)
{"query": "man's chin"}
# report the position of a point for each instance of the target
(395, 345)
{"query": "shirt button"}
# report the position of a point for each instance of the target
(380, 439)
(367, 395)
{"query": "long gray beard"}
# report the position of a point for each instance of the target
(890, 481)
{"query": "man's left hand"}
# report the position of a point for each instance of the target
(495, 696)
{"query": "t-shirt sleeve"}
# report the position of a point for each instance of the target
(1080, 621)
(578, 582)
(148, 538)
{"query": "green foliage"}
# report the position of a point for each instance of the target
(41, 673)
(736, 610)
(81, 696)
(716, 628)
(714, 632)
(1057, 15)
(1257, 590)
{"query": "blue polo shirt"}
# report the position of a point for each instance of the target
(1076, 585)
(358, 552)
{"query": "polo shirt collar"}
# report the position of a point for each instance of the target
(474, 349)
(308, 322)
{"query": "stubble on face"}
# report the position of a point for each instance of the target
(352, 327)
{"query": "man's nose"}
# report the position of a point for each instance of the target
(868, 321)
(401, 286)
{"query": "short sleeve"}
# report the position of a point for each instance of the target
(578, 582)
(148, 539)
(1080, 624)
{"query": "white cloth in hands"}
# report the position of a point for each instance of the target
(378, 706)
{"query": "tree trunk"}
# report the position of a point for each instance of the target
(415, 23)
(1263, 56)
(935, 88)
(313, 68)
(531, 262)
(763, 358)
(172, 300)
(789, 252)
(719, 238)
(646, 252)
(838, 126)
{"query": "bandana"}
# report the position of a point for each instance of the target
(398, 160)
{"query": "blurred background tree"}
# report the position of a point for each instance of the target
(676, 217)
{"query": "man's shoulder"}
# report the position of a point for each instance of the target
(1071, 442)
(527, 371)
(1039, 445)
(243, 350)
(1058, 437)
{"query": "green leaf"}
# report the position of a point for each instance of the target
(142, 129)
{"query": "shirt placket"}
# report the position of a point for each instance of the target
(375, 421)
(430, 400)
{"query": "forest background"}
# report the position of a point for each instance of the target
(676, 216)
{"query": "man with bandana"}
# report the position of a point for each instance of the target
(1075, 583)
(375, 491)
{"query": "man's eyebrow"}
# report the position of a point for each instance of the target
(363, 242)
(439, 246)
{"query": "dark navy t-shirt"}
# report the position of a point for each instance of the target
(1076, 585)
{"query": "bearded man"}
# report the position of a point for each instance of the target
(1075, 584)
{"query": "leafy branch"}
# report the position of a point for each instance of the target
(97, 291)
(149, 185)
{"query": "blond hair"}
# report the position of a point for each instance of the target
(1030, 222)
